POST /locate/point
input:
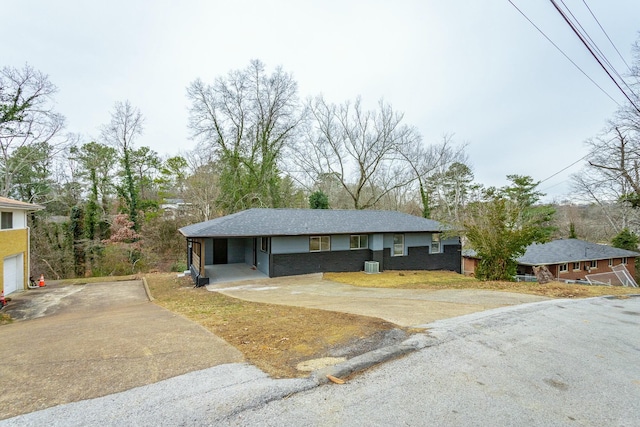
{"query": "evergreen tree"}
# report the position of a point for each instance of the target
(318, 200)
(626, 240)
(501, 227)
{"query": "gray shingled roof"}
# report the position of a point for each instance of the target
(570, 250)
(298, 222)
(565, 250)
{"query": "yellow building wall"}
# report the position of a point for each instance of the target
(13, 242)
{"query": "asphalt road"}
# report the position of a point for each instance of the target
(551, 363)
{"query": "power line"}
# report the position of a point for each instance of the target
(554, 185)
(572, 164)
(595, 47)
(607, 35)
(592, 43)
(564, 54)
(565, 168)
(586, 44)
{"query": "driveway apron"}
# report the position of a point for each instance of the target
(404, 307)
(86, 341)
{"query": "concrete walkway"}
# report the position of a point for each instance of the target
(404, 307)
(85, 341)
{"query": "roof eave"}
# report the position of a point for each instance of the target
(318, 233)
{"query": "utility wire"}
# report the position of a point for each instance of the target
(577, 33)
(592, 43)
(554, 185)
(579, 160)
(564, 54)
(595, 47)
(607, 35)
(565, 168)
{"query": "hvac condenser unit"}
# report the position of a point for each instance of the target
(371, 267)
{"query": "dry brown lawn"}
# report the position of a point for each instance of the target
(273, 337)
(5, 319)
(276, 337)
(450, 280)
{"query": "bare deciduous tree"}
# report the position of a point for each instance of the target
(125, 126)
(612, 178)
(28, 123)
(362, 149)
(246, 119)
(431, 166)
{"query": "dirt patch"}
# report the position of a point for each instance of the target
(275, 338)
(450, 280)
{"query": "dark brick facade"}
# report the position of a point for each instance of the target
(317, 262)
(341, 261)
(378, 256)
(419, 258)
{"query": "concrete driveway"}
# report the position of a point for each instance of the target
(554, 363)
(404, 307)
(78, 342)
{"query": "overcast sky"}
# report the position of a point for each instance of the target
(475, 68)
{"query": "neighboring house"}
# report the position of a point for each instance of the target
(173, 208)
(566, 259)
(283, 242)
(14, 244)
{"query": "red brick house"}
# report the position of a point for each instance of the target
(566, 259)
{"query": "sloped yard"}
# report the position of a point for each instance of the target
(449, 280)
(273, 337)
(277, 336)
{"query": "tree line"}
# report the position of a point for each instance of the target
(258, 144)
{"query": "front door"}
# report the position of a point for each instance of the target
(219, 251)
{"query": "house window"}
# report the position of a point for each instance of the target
(563, 268)
(264, 244)
(435, 243)
(359, 241)
(610, 262)
(576, 266)
(7, 220)
(398, 245)
(594, 264)
(319, 243)
(624, 260)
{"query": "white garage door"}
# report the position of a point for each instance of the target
(13, 273)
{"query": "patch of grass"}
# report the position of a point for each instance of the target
(5, 319)
(275, 338)
(448, 280)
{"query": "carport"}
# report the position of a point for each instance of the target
(220, 273)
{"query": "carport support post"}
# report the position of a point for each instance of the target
(189, 257)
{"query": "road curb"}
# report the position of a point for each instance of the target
(146, 289)
(365, 361)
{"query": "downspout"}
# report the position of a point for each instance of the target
(461, 258)
(28, 278)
